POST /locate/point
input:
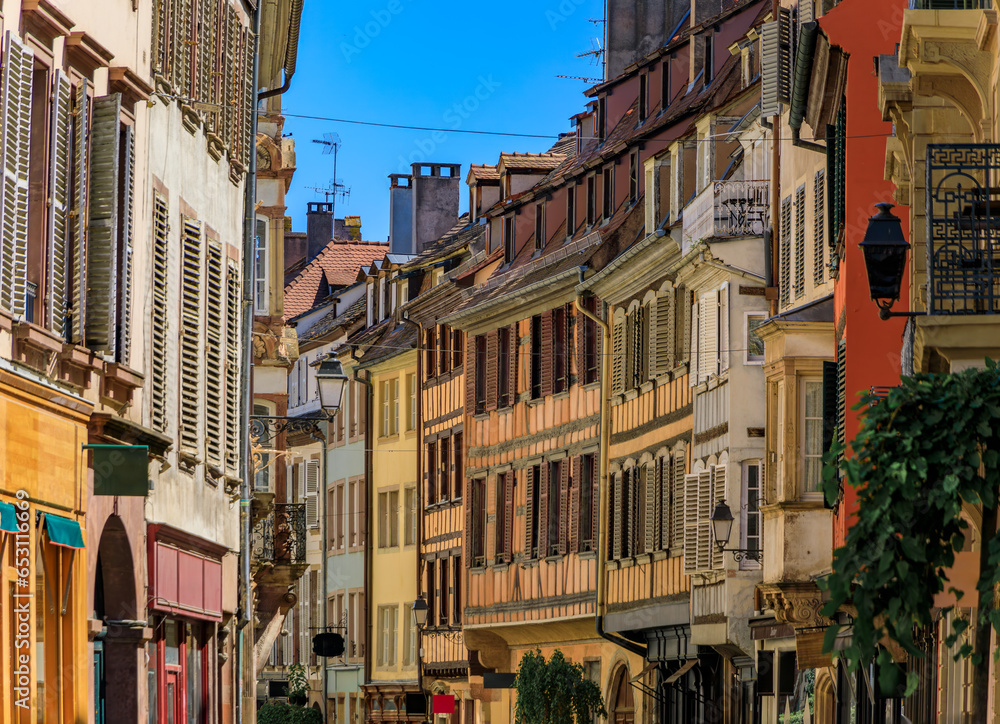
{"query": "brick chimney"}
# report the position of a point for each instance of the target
(319, 227)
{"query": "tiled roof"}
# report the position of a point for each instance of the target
(331, 320)
(455, 238)
(484, 172)
(566, 145)
(531, 161)
(336, 266)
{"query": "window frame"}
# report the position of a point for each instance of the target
(748, 333)
(541, 236)
(802, 383)
(570, 210)
(509, 238)
(746, 513)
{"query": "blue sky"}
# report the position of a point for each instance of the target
(468, 65)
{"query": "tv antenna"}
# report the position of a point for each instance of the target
(331, 144)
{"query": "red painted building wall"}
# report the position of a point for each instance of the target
(864, 29)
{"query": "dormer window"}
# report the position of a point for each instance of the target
(643, 97)
(609, 193)
(508, 239)
(540, 236)
(665, 84)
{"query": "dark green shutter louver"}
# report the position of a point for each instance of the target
(835, 172)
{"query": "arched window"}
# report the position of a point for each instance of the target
(622, 703)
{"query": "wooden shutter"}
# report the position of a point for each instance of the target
(568, 346)
(618, 358)
(190, 347)
(508, 516)
(579, 349)
(691, 562)
(704, 545)
(651, 507)
(564, 510)
(17, 69)
(125, 243)
(59, 171)
(630, 489)
(529, 503)
(215, 292)
(576, 481)
(543, 511)
(661, 326)
(723, 335)
(248, 97)
(776, 63)
(233, 366)
(718, 490)
(547, 349)
(677, 490)
(470, 379)
(595, 501)
(102, 247)
(429, 357)
(617, 505)
(819, 221)
(512, 365)
(312, 493)
(694, 327)
(830, 404)
(470, 531)
(79, 216)
(492, 376)
(159, 331)
(800, 242)
(664, 475)
(785, 251)
(836, 173)
(630, 350)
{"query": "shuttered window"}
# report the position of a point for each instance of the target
(618, 357)
(190, 343)
(677, 484)
(753, 519)
(708, 335)
(502, 519)
(78, 212)
(312, 493)
(800, 242)
(723, 327)
(536, 365)
(531, 510)
(480, 374)
(215, 297)
(16, 121)
(159, 329)
(561, 345)
(786, 251)
(836, 160)
(233, 365)
(694, 330)
(661, 332)
(819, 237)
(701, 490)
(589, 342)
(126, 197)
(59, 188)
(476, 522)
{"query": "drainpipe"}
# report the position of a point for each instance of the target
(245, 676)
(602, 542)
(775, 185)
(368, 507)
(420, 480)
(291, 51)
(322, 438)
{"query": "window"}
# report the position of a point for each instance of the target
(701, 489)
(531, 511)
(480, 374)
(560, 350)
(444, 463)
(709, 57)
(504, 523)
(410, 640)
(555, 540)
(588, 502)
(431, 592)
(591, 200)
(444, 348)
(819, 237)
(476, 522)
(410, 525)
(753, 520)
(353, 512)
(505, 361)
(602, 118)
(388, 519)
(633, 177)
(752, 342)
(570, 210)
(214, 310)
(665, 84)
(812, 436)
(260, 269)
(457, 347)
(390, 407)
(786, 251)
(387, 645)
(800, 242)
(457, 467)
(444, 609)
(160, 346)
(536, 357)
(540, 235)
(430, 353)
(337, 518)
(411, 404)
(456, 592)
(643, 97)
(190, 338)
(432, 472)
(608, 207)
(509, 248)
(591, 342)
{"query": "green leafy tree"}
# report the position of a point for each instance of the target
(555, 691)
(278, 712)
(928, 448)
(298, 683)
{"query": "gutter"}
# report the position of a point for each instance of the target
(291, 52)
(800, 84)
(369, 411)
(602, 530)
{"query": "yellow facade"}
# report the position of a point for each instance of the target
(43, 617)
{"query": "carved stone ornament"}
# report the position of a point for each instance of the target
(795, 604)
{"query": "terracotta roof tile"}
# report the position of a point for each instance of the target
(336, 266)
(531, 161)
(484, 172)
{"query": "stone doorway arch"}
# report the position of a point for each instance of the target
(622, 699)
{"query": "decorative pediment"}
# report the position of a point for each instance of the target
(795, 604)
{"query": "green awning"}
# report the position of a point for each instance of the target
(63, 531)
(120, 469)
(8, 518)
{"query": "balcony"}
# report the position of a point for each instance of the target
(279, 538)
(963, 228)
(951, 4)
(727, 209)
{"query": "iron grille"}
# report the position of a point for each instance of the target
(741, 208)
(950, 4)
(963, 228)
(281, 536)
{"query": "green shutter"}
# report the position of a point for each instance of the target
(836, 139)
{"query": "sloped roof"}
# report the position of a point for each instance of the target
(331, 320)
(484, 172)
(336, 266)
(531, 161)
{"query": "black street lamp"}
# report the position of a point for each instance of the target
(419, 610)
(722, 528)
(331, 380)
(885, 250)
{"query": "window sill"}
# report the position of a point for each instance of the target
(613, 565)
(595, 385)
(564, 395)
(646, 386)
(587, 555)
(388, 438)
(535, 401)
(626, 562)
(480, 416)
(500, 567)
(478, 571)
(630, 394)
(554, 558)
(643, 559)
(659, 555)
(529, 562)
(387, 549)
(505, 410)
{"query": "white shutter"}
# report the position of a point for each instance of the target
(704, 524)
(79, 217)
(708, 335)
(718, 490)
(807, 12)
(215, 291)
(693, 348)
(102, 247)
(16, 109)
(691, 522)
(233, 366)
(770, 60)
(724, 327)
(312, 493)
(190, 342)
(58, 219)
(124, 320)
(677, 495)
(160, 348)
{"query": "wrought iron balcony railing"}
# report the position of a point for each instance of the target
(727, 209)
(280, 537)
(963, 228)
(951, 4)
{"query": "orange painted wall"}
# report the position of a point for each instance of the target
(864, 28)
